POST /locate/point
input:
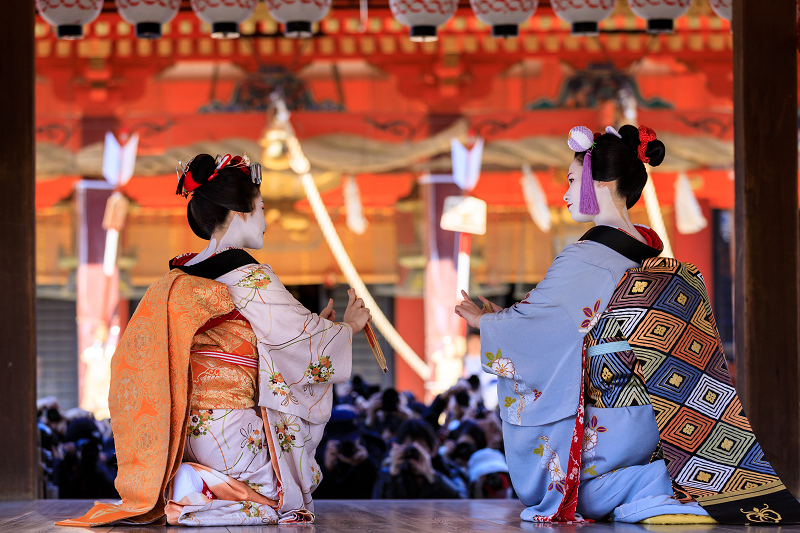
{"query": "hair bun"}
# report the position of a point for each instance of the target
(655, 149)
(202, 166)
(630, 136)
(655, 152)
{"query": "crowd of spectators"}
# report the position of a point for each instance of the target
(387, 444)
(77, 453)
(377, 444)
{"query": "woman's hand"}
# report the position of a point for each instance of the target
(469, 311)
(356, 314)
(328, 313)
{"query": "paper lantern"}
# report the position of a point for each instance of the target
(224, 15)
(583, 14)
(298, 15)
(148, 15)
(423, 16)
(659, 14)
(69, 16)
(723, 8)
(504, 16)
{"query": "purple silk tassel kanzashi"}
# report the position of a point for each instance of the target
(588, 203)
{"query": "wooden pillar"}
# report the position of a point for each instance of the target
(18, 464)
(767, 322)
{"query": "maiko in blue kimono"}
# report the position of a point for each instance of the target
(613, 390)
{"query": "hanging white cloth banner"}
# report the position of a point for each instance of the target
(688, 213)
(466, 163)
(352, 204)
(535, 198)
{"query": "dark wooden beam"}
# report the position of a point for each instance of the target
(767, 319)
(18, 455)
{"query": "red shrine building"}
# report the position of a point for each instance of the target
(376, 114)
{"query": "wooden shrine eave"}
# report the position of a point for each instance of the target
(704, 38)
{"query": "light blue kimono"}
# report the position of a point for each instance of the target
(536, 350)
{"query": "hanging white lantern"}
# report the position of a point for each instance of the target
(69, 16)
(423, 16)
(723, 8)
(659, 14)
(504, 16)
(148, 15)
(224, 15)
(584, 15)
(298, 15)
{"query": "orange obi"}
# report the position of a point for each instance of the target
(224, 361)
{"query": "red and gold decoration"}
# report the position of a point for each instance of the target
(584, 15)
(224, 15)
(69, 16)
(660, 14)
(504, 16)
(148, 15)
(298, 16)
(423, 16)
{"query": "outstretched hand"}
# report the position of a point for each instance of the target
(328, 313)
(469, 311)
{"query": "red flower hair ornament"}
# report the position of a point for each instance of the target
(645, 136)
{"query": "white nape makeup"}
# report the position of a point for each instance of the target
(245, 230)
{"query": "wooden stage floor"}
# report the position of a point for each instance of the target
(380, 516)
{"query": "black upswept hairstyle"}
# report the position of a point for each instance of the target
(615, 159)
(231, 190)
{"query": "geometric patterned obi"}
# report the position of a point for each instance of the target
(614, 375)
(674, 360)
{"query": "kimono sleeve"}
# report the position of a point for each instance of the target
(535, 347)
(300, 353)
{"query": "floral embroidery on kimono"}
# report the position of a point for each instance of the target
(500, 365)
(590, 436)
(552, 463)
(592, 315)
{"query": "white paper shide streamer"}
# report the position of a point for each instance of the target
(466, 163)
(356, 221)
(688, 213)
(535, 198)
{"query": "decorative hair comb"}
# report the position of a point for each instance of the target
(243, 162)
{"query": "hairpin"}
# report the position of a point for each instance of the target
(255, 173)
(188, 184)
(613, 131)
